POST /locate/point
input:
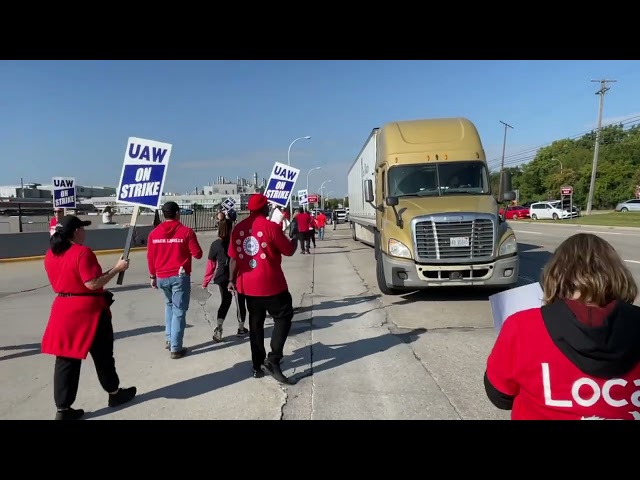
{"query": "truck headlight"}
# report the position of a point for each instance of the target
(508, 247)
(398, 249)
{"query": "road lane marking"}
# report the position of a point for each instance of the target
(527, 231)
(600, 231)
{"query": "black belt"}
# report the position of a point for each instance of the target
(86, 294)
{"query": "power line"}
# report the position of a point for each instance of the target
(529, 154)
(596, 150)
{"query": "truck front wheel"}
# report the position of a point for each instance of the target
(380, 277)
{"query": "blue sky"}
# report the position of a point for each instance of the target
(230, 118)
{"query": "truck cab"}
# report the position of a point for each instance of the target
(436, 220)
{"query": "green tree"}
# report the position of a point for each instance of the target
(567, 162)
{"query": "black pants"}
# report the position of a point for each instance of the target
(312, 237)
(227, 298)
(280, 307)
(305, 241)
(66, 374)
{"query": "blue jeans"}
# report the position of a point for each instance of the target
(177, 293)
(321, 233)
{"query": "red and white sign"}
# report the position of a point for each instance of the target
(313, 198)
(566, 191)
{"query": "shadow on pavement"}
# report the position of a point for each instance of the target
(345, 302)
(333, 356)
(34, 348)
(533, 258)
(130, 288)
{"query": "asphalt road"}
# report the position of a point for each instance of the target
(352, 353)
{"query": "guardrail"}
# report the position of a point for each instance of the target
(204, 219)
(34, 244)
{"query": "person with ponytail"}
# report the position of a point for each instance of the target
(80, 318)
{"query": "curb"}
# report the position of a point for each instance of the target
(560, 224)
(97, 252)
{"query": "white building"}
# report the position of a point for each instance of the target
(37, 191)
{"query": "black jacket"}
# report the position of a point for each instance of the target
(218, 253)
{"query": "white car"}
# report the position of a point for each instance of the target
(632, 205)
(551, 210)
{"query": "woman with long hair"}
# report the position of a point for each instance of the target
(218, 272)
(578, 356)
(80, 318)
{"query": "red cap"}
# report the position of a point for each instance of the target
(257, 201)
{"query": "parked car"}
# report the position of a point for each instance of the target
(551, 209)
(341, 214)
(631, 205)
(514, 212)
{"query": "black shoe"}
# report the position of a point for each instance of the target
(242, 331)
(123, 396)
(179, 354)
(274, 370)
(258, 373)
(69, 414)
(167, 345)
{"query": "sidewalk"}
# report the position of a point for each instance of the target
(347, 360)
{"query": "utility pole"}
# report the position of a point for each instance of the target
(504, 149)
(596, 150)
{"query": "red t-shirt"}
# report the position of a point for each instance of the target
(525, 363)
(52, 225)
(257, 245)
(304, 222)
(73, 320)
(321, 220)
(170, 246)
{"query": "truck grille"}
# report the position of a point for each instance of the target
(448, 240)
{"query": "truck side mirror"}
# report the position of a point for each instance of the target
(506, 182)
(392, 201)
(509, 196)
(368, 191)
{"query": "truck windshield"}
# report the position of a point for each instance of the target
(437, 179)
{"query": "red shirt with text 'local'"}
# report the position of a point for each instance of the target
(527, 362)
(257, 245)
(170, 246)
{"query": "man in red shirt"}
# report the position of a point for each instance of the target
(304, 230)
(169, 250)
(58, 213)
(321, 222)
(256, 249)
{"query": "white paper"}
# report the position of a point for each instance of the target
(277, 216)
(505, 304)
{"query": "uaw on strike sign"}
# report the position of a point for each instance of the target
(281, 182)
(64, 192)
(143, 173)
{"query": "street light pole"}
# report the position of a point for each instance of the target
(322, 193)
(289, 163)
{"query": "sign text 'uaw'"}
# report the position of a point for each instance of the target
(281, 182)
(144, 172)
(64, 192)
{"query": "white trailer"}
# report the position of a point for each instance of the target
(362, 215)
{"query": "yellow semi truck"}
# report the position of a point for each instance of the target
(420, 194)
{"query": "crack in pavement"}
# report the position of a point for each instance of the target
(394, 330)
(4, 295)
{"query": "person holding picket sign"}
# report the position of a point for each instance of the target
(256, 249)
(80, 319)
(218, 270)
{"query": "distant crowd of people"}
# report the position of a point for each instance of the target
(575, 358)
